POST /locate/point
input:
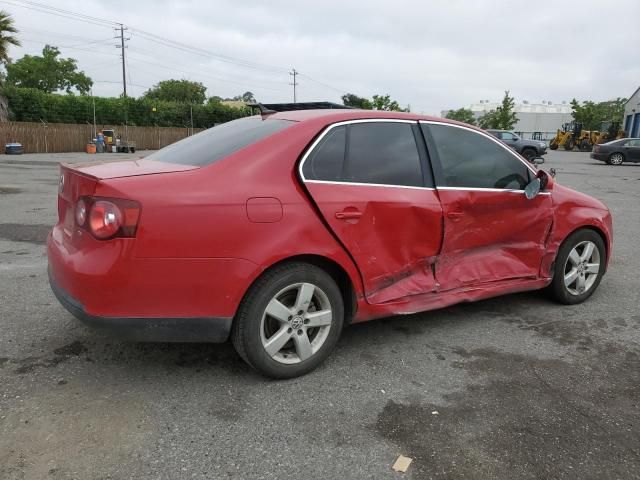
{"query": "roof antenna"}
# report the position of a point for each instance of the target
(263, 110)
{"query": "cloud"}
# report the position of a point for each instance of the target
(431, 55)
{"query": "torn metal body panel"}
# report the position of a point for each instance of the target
(393, 234)
(491, 235)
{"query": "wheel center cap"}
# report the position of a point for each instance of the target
(296, 322)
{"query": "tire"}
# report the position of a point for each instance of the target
(528, 153)
(585, 146)
(615, 159)
(132, 149)
(553, 145)
(575, 277)
(569, 144)
(284, 330)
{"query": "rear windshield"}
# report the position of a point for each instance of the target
(218, 142)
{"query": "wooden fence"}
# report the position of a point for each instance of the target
(65, 137)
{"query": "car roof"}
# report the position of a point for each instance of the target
(328, 116)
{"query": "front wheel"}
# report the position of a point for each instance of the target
(579, 267)
(289, 321)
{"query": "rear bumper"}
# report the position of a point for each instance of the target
(599, 156)
(202, 329)
(150, 299)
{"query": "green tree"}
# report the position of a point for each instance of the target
(214, 99)
(384, 102)
(247, 97)
(503, 117)
(462, 115)
(592, 115)
(184, 91)
(48, 73)
(351, 100)
(7, 29)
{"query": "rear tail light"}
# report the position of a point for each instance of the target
(107, 218)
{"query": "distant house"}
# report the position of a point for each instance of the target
(632, 115)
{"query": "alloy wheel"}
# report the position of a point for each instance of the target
(296, 323)
(616, 159)
(581, 268)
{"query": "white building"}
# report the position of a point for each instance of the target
(545, 117)
(632, 115)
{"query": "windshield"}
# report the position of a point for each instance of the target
(218, 142)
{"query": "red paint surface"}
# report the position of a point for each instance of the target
(205, 234)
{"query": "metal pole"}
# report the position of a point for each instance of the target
(293, 73)
(191, 106)
(46, 147)
(124, 79)
(93, 99)
(124, 75)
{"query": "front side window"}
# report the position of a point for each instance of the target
(382, 153)
(471, 160)
(218, 142)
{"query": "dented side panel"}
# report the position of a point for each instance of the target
(491, 236)
(393, 234)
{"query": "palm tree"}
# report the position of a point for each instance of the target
(7, 28)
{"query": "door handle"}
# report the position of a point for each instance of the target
(454, 216)
(348, 214)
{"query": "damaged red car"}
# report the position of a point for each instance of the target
(280, 229)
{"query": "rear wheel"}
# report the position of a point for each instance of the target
(585, 146)
(579, 267)
(616, 159)
(289, 321)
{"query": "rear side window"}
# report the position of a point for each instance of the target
(218, 142)
(383, 153)
(327, 159)
(471, 160)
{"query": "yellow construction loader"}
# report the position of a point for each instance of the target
(610, 131)
(571, 135)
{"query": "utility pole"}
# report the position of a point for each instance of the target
(124, 72)
(124, 80)
(191, 107)
(294, 73)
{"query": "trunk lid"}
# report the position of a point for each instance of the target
(125, 168)
(80, 179)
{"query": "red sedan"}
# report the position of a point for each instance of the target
(278, 230)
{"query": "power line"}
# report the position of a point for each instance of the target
(205, 53)
(161, 41)
(200, 74)
(38, 7)
(322, 83)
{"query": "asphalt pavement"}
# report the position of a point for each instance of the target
(512, 387)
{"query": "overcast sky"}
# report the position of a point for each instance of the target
(433, 55)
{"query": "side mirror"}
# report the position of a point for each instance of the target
(532, 189)
(537, 160)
